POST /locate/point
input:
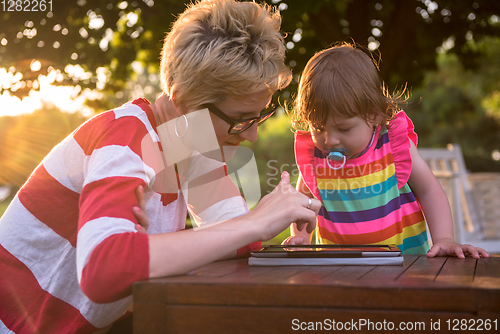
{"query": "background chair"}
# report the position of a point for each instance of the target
(474, 198)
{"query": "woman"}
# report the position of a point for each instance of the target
(70, 250)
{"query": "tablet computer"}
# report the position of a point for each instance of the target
(328, 250)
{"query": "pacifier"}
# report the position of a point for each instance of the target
(337, 155)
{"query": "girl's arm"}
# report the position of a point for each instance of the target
(436, 208)
(300, 236)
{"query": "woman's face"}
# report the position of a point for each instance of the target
(239, 108)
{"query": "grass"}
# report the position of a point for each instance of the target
(4, 204)
(279, 238)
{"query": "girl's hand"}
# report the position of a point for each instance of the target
(294, 240)
(448, 247)
(140, 211)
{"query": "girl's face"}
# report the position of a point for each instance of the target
(353, 134)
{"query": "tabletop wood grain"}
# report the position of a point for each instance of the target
(230, 296)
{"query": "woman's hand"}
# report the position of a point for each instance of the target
(449, 247)
(140, 211)
(284, 205)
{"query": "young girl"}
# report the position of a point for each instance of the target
(360, 159)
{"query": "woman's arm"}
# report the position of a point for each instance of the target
(436, 208)
(179, 252)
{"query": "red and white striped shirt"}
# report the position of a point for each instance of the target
(69, 249)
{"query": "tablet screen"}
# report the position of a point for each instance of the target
(327, 251)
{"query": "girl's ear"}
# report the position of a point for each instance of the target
(376, 118)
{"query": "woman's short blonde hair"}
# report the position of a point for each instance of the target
(220, 48)
(342, 80)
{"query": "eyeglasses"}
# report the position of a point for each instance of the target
(241, 125)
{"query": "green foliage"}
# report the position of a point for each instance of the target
(279, 238)
(274, 152)
(4, 204)
(115, 33)
(405, 33)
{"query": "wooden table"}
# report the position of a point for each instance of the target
(231, 297)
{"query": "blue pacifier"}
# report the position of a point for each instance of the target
(337, 155)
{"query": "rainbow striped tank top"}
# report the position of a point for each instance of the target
(368, 201)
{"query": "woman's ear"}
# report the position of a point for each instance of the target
(181, 109)
(166, 108)
(173, 98)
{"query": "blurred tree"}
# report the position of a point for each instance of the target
(458, 105)
(406, 34)
(118, 42)
(115, 42)
(26, 139)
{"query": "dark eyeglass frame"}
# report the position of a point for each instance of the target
(244, 124)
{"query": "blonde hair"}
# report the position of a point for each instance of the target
(344, 81)
(220, 48)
